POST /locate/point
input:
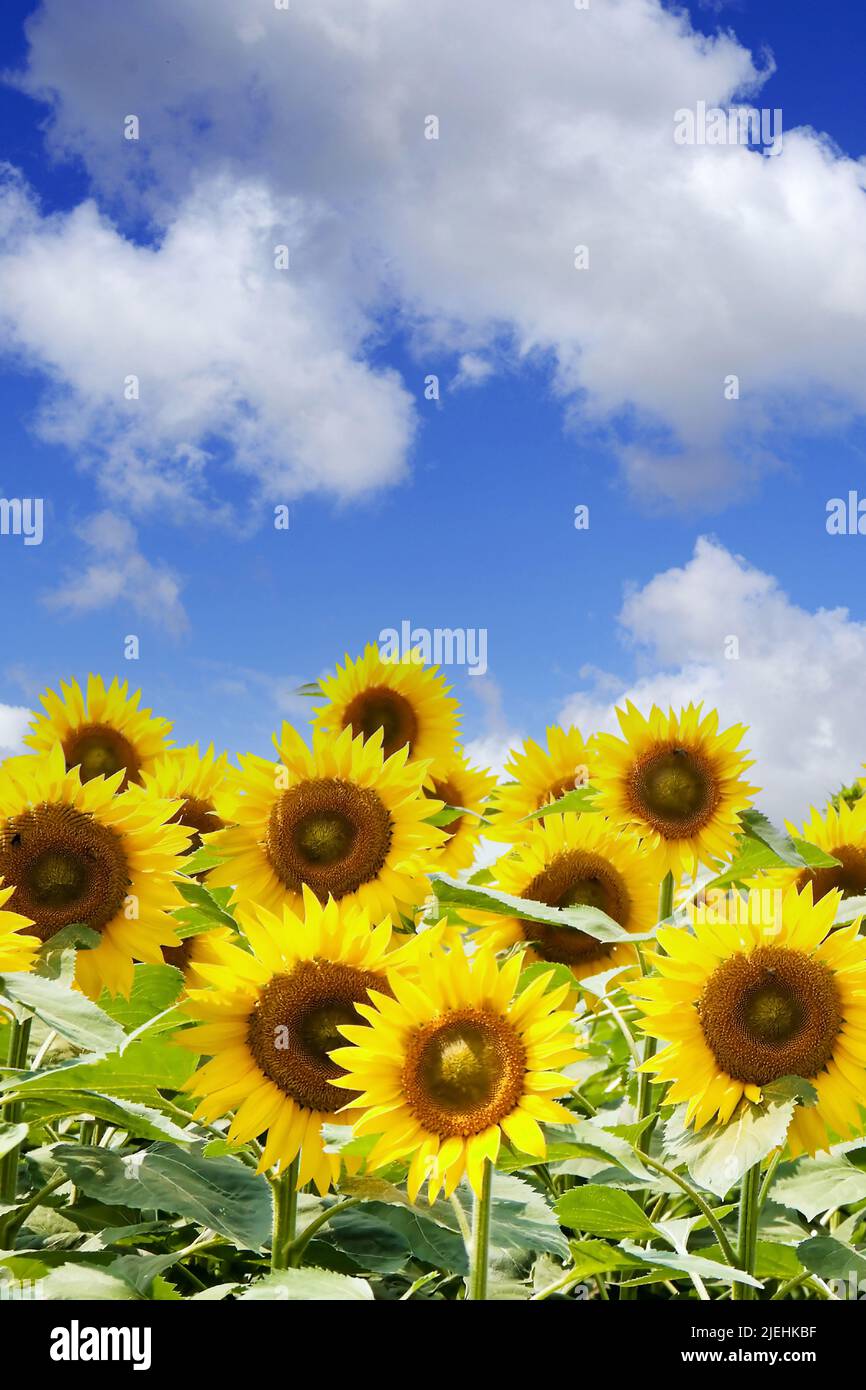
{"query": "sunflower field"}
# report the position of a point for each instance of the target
(359, 1021)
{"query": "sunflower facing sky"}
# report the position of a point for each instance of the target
(453, 1062)
(198, 781)
(338, 818)
(770, 990)
(18, 948)
(102, 731)
(408, 701)
(89, 854)
(677, 781)
(842, 835)
(538, 776)
(574, 861)
(270, 1019)
(456, 783)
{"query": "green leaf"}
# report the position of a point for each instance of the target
(143, 1121)
(449, 814)
(603, 1211)
(203, 899)
(201, 860)
(592, 1257)
(221, 1193)
(134, 1073)
(753, 855)
(831, 1259)
(308, 1286)
(85, 1281)
(689, 1264)
(11, 1136)
(581, 800)
(815, 1185)
(597, 924)
(69, 1013)
(57, 955)
(717, 1156)
(155, 988)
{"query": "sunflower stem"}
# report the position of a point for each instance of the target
(480, 1252)
(748, 1234)
(16, 1060)
(285, 1193)
(644, 1080)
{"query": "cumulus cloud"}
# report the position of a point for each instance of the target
(797, 680)
(13, 726)
(115, 570)
(555, 130)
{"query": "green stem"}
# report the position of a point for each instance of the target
(644, 1080)
(479, 1259)
(285, 1193)
(15, 1220)
(699, 1202)
(299, 1245)
(748, 1236)
(768, 1179)
(16, 1060)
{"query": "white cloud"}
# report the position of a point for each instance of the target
(117, 571)
(14, 720)
(797, 683)
(556, 129)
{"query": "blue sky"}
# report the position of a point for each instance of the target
(472, 526)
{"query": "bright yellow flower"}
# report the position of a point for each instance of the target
(454, 1060)
(270, 1020)
(676, 781)
(198, 781)
(337, 818)
(18, 948)
(763, 988)
(841, 834)
(569, 861)
(88, 853)
(456, 783)
(538, 776)
(409, 702)
(102, 731)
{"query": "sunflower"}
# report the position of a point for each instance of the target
(456, 783)
(570, 861)
(270, 1019)
(198, 780)
(840, 833)
(341, 819)
(763, 988)
(409, 702)
(101, 732)
(18, 948)
(539, 777)
(454, 1060)
(677, 781)
(87, 853)
(191, 952)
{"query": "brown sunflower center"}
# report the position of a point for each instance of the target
(849, 874)
(100, 751)
(675, 790)
(575, 878)
(329, 834)
(562, 786)
(775, 1012)
(464, 1072)
(295, 1025)
(200, 816)
(385, 709)
(66, 868)
(179, 956)
(452, 796)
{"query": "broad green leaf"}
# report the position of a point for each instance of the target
(815, 1185)
(520, 1218)
(832, 1259)
(758, 827)
(581, 800)
(597, 924)
(56, 958)
(201, 860)
(754, 855)
(308, 1286)
(603, 1211)
(69, 1013)
(134, 1073)
(143, 1121)
(221, 1193)
(772, 1261)
(11, 1136)
(154, 989)
(689, 1264)
(597, 1257)
(85, 1281)
(449, 814)
(717, 1156)
(421, 1236)
(203, 899)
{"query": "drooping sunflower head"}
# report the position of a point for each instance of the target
(84, 853)
(270, 1020)
(339, 819)
(537, 776)
(456, 783)
(576, 861)
(677, 781)
(405, 701)
(842, 835)
(761, 989)
(18, 947)
(454, 1061)
(198, 781)
(102, 731)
